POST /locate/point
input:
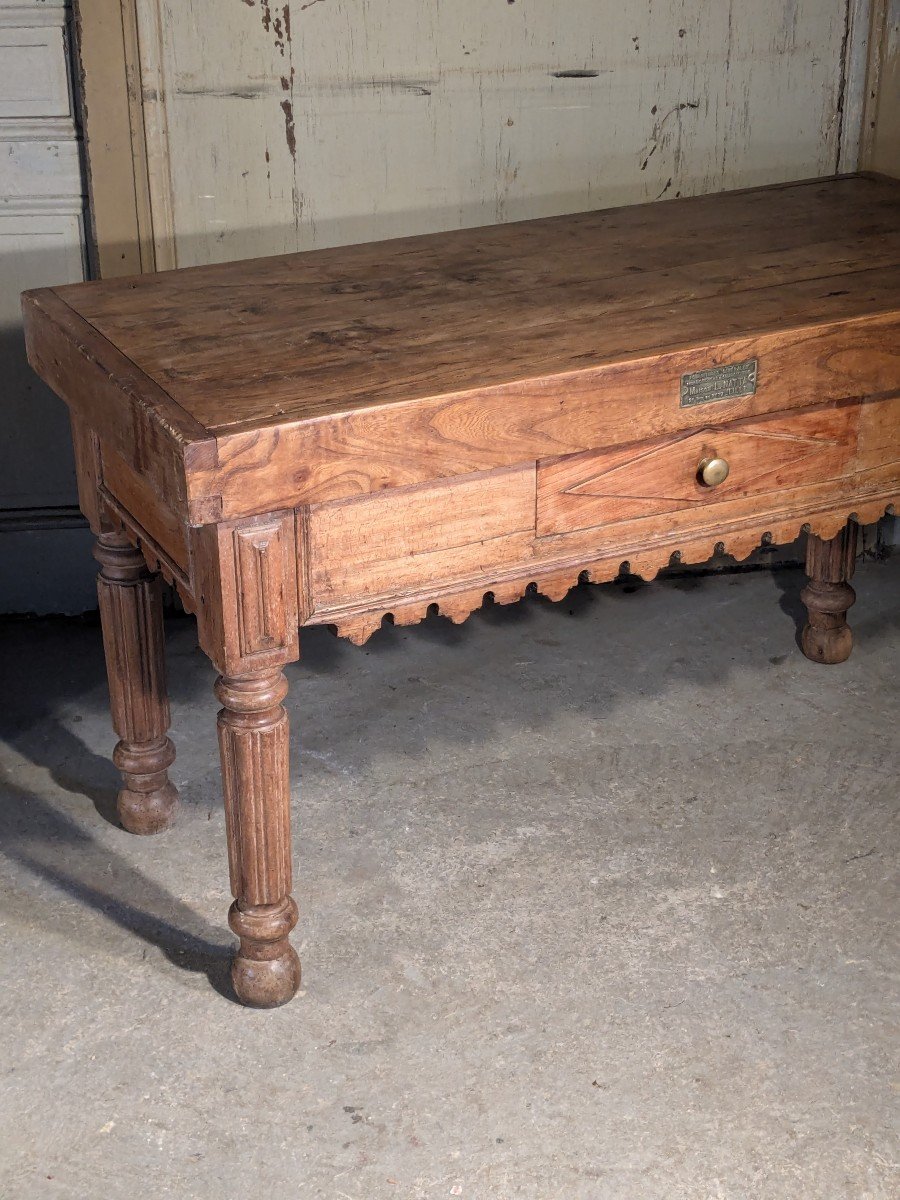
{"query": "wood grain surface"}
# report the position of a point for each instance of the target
(132, 491)
(401, 444)
(246, 388)
(288, 338)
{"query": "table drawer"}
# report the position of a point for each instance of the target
(764, 456)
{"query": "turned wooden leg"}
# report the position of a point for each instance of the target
(131, 614)
(827, 637)
(253, 739)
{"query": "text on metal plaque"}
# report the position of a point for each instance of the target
(719, 383)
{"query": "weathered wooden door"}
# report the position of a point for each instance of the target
(44, 546)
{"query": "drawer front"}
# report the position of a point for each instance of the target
(655, 478)
(402, 548)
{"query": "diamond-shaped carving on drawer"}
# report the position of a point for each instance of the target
(764, 455)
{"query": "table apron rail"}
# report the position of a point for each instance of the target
(406, 444)
(449, 542)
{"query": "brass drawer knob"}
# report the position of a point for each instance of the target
(712, 471)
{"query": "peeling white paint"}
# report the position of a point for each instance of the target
(287, 126)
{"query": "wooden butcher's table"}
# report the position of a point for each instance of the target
(330, 437)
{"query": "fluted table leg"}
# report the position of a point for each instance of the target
(827, 638)
(131, 614)
(253, 739)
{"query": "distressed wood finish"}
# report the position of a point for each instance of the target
(451, 542)
(448, 112)
(307, 378)
(123, 486)
(131, 616)
(333, 437)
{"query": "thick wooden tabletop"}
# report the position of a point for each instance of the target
(244, 344)
(253, 386)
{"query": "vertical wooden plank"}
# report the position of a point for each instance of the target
(853, 83)
(106, 65)
(150, 18)
(880, 150)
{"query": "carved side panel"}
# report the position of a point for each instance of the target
(153, 520)
(244, 581)
(261, 559)
(451, 541)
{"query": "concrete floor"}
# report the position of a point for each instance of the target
(597, 900)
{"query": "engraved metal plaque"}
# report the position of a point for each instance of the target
(719, 383)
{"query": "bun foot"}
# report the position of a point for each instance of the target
(268, 983)
(826, 637)
(266, 970)
(149, 801)
(148, 812)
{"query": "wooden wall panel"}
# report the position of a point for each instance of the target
(109, 88)
(282, 126)
(44, 548)
(33, 77)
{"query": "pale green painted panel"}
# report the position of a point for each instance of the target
(298, 125)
